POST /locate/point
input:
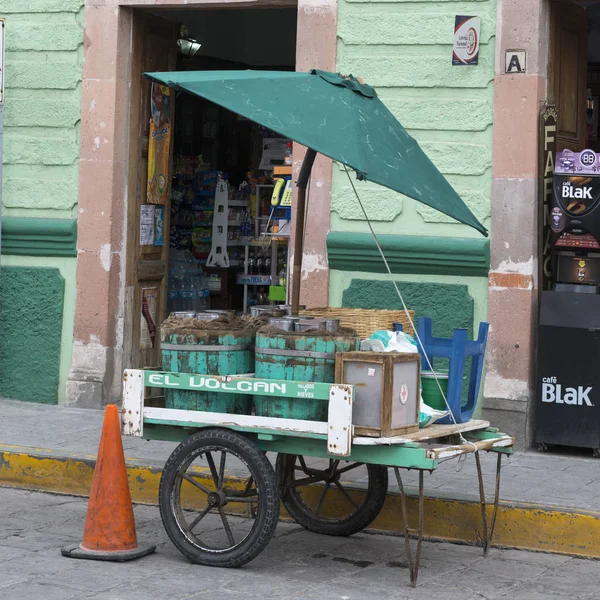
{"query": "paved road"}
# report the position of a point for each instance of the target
(297, 565)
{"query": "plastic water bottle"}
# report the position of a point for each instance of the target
(188, 294)
(197, 284)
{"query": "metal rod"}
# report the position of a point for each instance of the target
(301, 184)
(482, 501)
(420, 532)
(405, 522)
(496, 495)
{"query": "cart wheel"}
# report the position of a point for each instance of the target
(194, 484)
(316, 508)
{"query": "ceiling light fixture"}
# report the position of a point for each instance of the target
(188, 46)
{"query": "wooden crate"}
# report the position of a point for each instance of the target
(386, 400)
(365, 321)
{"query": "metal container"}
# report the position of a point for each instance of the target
(306, 325)
(292, 357)
(229, 313)
(288, 308)
(281, 323)
(266, 311)
(185, 314)
(332, 325)
(259, 311)
(292, 319)
(221, 352)
(203, 316)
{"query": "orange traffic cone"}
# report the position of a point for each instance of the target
(109, 532)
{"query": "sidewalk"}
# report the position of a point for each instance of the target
(556, 484)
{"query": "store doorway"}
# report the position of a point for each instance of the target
(575, 73)
(172, 186)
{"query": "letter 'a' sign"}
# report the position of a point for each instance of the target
(515, 61)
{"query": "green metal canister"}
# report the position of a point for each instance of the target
(291, 356)
(210, 352)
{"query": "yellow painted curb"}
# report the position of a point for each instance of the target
(525, 526)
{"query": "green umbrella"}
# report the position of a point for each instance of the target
(336, 116)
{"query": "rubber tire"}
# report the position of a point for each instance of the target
(376, 495)
(268, 492)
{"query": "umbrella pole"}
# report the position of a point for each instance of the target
(301, 184)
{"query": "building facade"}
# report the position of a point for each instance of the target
(68, 133)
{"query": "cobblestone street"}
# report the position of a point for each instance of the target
(296, 564)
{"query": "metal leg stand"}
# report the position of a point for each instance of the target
(413, 565)
(496, 495)
(487, 536)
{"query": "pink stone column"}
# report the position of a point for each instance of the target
(96, 368)
(102, 203)
(315, 49)
(513, 286)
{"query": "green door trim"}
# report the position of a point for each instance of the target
(39, 237)
(411, 254)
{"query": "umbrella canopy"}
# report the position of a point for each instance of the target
(336, 116)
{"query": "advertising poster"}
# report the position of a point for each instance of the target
(148, 318)
(159, 144)
(466, 40)
(159, 225)
(147, 224)
(273, 153)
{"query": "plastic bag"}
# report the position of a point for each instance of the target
(398, 341)
(394, 341)
(428, 415)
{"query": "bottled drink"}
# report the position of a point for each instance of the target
(268, 265)
(188, 293)
(282, 276)
(288, 155)
(260, 265)
(172, 293)
(251, 265)
(179, 293)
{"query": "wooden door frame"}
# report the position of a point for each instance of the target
(137, 269)
(107, 134)
(553, 65)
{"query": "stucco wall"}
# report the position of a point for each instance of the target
(404, 49)
(44, 54)
(44, 58)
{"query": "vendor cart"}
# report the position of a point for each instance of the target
(221, 466)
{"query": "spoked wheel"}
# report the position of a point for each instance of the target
(197, 498)
(318, 497)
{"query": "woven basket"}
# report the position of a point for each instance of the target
(365, 320)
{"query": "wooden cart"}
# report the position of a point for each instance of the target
(221, 466)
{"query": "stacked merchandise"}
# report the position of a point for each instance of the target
(188, 289)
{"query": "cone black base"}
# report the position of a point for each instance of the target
(76, 551)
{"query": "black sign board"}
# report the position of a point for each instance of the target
(548, 128)
(568, 385)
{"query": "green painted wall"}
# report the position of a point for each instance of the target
(44, 69)
(404, 49)
(31, 317)
(66, 269)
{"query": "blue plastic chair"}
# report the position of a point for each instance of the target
(458, 349)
